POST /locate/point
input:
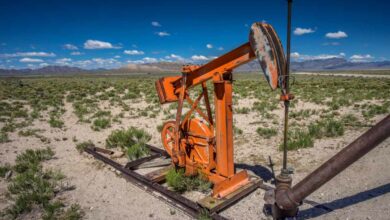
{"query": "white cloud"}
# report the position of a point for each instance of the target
(209, 46)
(156, 24)
(149, 60)
(43, 64)
(96, 44)
(27, 54)
(174, 57)
(70, 47)
(75, 53)
(63, 61)
(302, 57)
(361, 58)
(117, 56)
(336, 35)
(163, 34)
(220, 48)
(133, 52)
(30, 60)
(199, 58)
(302, 31)
(294, 55)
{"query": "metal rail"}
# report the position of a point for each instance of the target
(175, 199)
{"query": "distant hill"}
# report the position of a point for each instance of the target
(323, 64)
(48, 70)
(332, 64)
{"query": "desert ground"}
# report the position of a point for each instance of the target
(60, 113)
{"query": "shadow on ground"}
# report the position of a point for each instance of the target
(325, 208)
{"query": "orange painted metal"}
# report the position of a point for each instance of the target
(199, 144)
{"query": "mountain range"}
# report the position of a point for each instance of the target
(332, 64)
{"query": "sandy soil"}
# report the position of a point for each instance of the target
(361, 192)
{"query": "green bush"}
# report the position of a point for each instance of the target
(101, 123)
(3, 137)
(132, 140)
(56, 122)
(326, 128)
(181, 183)
(266, 132)
(35, 188)
(4, 169)
(298, 139)
(31, 159)
(82, 146)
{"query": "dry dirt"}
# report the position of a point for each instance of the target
(361, 192)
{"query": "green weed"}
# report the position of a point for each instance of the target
(132, 140)
(101, 123)
(181, 183)
(266, 132)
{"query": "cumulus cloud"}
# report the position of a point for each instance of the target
(156, 24)
(294, 55)
(361, 58)
(209, 46)
(63, 61)
(220, 48)
(149, 60)
(133, 52)
(163, 34)
(97, 44)
(30, 60)
(27, 54)
(302, 31)
(70, 47)
(336, 35)
(174, 57)
(303, 57)
(199, 58)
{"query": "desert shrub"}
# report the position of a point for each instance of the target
(181, 183)
(326, 128)
(101, 123)
(243, 110)
(3, 137)
(237, 130)
(372, 110)
(298, 139)
(28, 132)
(31, 159)
(4, 169)
(132, 140)
(82, 146)
(55, 122)
(33, 188)
(333, 128)
(266, 132)
(204, 215)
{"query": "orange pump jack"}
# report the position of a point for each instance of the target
(194, 140)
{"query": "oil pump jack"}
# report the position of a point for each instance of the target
(201, 145)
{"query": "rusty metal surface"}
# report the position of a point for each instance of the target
(269, 52)
(290, 199)
(102, 150)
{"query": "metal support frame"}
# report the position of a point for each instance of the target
(188, 206)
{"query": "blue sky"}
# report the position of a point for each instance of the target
(94, 34)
